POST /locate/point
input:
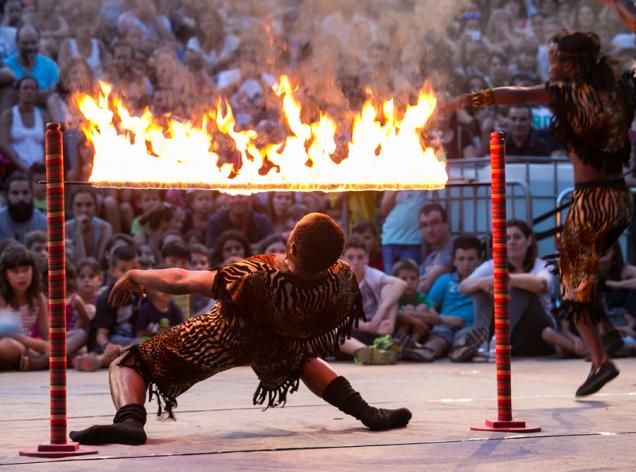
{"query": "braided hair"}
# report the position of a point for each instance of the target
(583, 52)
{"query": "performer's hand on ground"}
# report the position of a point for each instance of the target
(123, 290)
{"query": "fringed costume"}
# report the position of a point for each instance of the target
(593, 125)
(264, 318)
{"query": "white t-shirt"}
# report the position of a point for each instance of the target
(540, 268)
(371, 288)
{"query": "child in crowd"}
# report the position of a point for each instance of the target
(455, 309)
(157, 313)
(273, 244)
(112, 329)
(176, 254)
(20, 293)
(199, 261)
(367, 231)
(146, 199)
(201, 205)
(380, 293)
(414, 308)
(37, 172)
(231, 246)
(148, 259)
(36, 242)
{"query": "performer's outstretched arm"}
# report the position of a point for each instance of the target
(175, 281)
(534, 95)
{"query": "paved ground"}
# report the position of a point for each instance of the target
(218, 429)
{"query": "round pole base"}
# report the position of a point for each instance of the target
(58, 450)
(507, 427)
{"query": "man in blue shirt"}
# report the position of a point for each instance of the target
(27, 61)
(19, 217)
(455, 308)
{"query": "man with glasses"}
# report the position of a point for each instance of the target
(438, 245)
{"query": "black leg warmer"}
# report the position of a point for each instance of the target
(340, 394)
(127, 428)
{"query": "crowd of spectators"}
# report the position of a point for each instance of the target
(424, 288)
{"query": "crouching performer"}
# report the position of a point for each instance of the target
(275, 313)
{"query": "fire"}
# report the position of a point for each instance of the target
(384, 151)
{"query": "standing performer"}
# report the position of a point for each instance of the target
(275, 313)
(593, 110)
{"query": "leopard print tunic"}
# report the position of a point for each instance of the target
(264, 318)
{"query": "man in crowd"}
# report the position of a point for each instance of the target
(20, 216)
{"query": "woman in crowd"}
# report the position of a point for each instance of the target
(531, 327)
(22, 127)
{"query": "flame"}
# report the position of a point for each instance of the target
(384, 151)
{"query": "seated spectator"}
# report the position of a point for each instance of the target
(175, 254)
(414, 308)
(367, 231)
(20, 292)
(37, 242)
(148, 258)
(401, 236)
(88, 233)
(531, 327)
(156, 221)
(112, 329)
(455, 309)
(157, 314)
(522, 139)
(456, 140)
(13, 14)
(239, 216)
(199, 261)
(83, 45)
(52, 26)
(115, 241)
(22, 127)
(78, 318)
(231, 246)
(84, 300)
(215, 49)
(75, 77)
(146, 199)
(127, 77)
(28, 61)
(142, 15)
(201, 205)
(526, 61)
(498, 71)
(273, 244)
(37, 173)
(380, 293)
(438, 244)
(278, 205)
(170, 236)
(19, 217)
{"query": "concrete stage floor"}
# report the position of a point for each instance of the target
(218, 429)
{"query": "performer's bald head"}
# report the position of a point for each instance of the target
(316, 242)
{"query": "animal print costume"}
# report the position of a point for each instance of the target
(264, 318)
(593, 125)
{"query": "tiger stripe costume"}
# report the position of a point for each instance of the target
(594, 126)
(599, 214)
(264, 318)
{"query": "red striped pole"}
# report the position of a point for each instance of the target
(58, 447)
(501, 296)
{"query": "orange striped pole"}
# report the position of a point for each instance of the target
(501, 296)
(58, 447)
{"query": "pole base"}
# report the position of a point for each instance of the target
(58, 450)
(507, 426)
